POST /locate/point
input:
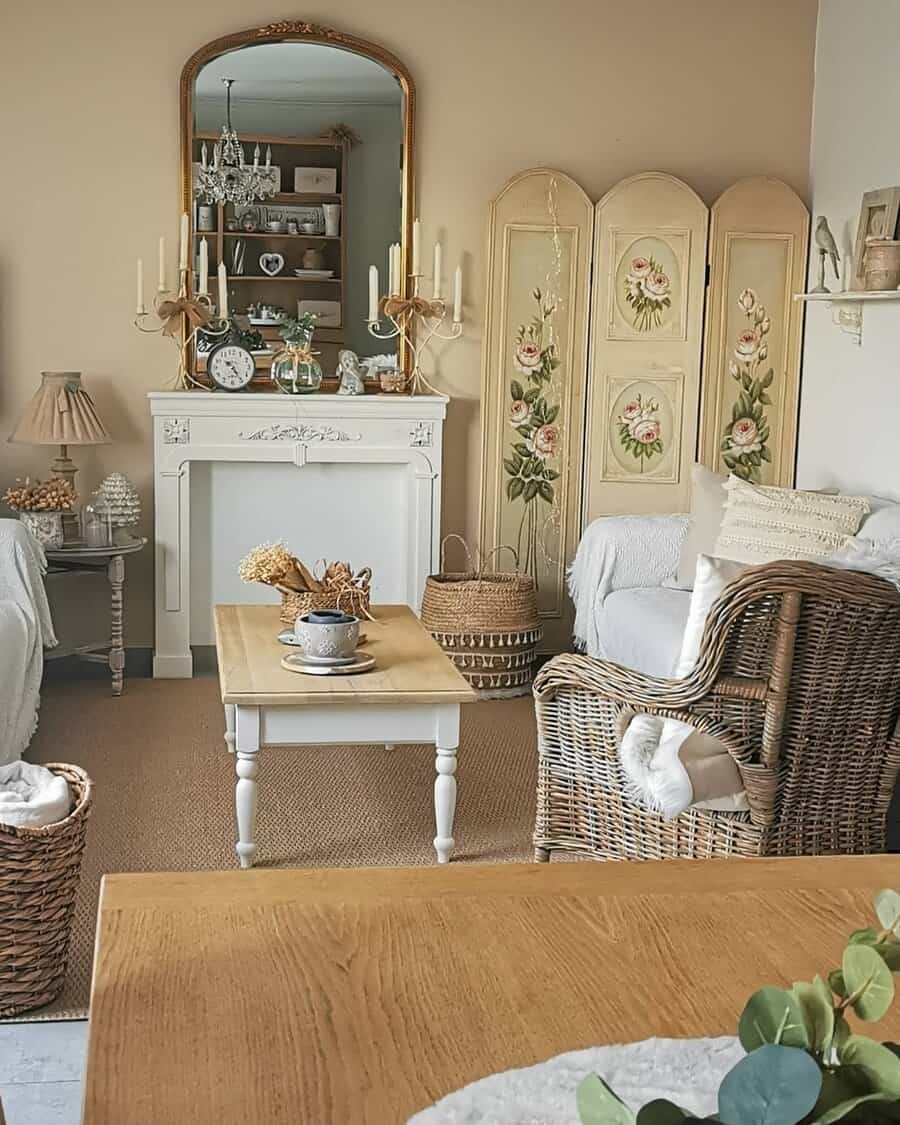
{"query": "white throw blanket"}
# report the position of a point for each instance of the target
(620, 553)
(31, 796)
(25, 629)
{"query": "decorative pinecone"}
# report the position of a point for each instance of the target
(123, 499)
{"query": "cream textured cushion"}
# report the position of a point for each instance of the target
(764, 524)
(669, 765)
(707, 508)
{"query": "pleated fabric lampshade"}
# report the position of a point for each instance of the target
(62, 413)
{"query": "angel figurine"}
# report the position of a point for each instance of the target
(351, 374)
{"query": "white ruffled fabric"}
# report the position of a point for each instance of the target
(25, 630)
(620, 553)
(32, 797)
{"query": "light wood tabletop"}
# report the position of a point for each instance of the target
(409, 664)
(351, 996)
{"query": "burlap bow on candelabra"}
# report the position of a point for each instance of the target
(398, 308)
(170, 313)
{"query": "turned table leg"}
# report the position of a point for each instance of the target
(247, 767)
(447, 742)
(115, 572)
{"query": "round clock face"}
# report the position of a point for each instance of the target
(231, 367)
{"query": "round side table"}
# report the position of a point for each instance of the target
(84, 560)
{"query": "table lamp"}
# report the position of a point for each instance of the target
(61, 413)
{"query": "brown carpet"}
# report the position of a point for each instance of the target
(164, 791)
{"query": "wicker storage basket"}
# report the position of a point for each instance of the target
(39, 871)
(354, 601)
(487, 624)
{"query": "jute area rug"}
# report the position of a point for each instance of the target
(164, 794)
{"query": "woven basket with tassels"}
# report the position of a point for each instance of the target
(39, 871)
(487, 624)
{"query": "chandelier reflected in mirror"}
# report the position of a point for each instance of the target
(228, 178)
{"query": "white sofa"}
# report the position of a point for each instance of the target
(627, 608)
(25, 630)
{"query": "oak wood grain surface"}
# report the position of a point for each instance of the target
(410, 666)
(310, 996)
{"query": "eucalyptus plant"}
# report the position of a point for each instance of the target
(298, 330)
(804, 1062)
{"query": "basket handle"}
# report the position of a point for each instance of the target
(496, 551)
(469, 559)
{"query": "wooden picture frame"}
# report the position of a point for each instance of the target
(878, 215)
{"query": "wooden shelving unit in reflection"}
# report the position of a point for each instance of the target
(284, 289)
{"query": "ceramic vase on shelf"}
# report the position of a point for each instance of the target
(295, 370)
(332, 213)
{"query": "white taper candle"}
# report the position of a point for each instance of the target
(162, 264)
(183, 241)
(417, 241)
(223, 292)
(204, 268)
(437, 270)
(373, 294)
(457, 296)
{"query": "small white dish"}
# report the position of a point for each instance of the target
(296, 662)
(314, 273)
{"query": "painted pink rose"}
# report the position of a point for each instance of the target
(519, 412)
(747, 345)
(545, 442)
(632, 410)
(528, 357)
(640, 267)
(745, 436)
(656, 285)
(645, 431)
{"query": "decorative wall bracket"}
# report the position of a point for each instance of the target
(847, 308)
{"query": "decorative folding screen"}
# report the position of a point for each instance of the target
(759, 236)
(643, 381)
(535, 356)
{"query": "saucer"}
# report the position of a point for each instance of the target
(329, 661)
(296, 662)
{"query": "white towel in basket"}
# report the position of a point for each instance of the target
(31, 796)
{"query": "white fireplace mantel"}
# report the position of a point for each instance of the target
(371, 430)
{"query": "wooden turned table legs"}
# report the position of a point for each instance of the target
(247, 767)
(446, 744)
(115, 572)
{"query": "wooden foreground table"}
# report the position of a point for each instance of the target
(312, 996)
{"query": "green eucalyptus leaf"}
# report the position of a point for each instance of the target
(770, 1086)
(878, 1064)
(837, 983)
(887, 907)
(818, 1012)
(841, 1109)
(662, 1112)
(772, 1015)
(867, 936)
(869, 982)
(598, 1105)
(841, 1033)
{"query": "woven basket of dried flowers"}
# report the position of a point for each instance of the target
(487, 624)
(301, 590)
(39, 872)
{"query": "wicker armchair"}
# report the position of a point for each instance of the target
(799, 676)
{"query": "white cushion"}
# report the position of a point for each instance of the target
(643, 628)
(707, 508)
(883, 523)
(763, 524)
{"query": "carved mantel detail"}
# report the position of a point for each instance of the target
(422, 434)
(176, 431)
(277, 432)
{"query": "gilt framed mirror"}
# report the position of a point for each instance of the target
(297, 173)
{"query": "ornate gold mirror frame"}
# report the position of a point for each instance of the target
(301, 31)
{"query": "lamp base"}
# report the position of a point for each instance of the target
(64, 467)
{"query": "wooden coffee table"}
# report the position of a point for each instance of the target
(412, 695)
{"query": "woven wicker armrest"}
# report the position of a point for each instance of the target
(623, 685)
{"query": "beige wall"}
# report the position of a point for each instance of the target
(709, 90)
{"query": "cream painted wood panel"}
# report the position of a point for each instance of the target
(759, 239)
(646, 334)
(533, 376)
(410, 666)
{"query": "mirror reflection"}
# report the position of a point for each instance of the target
(297, 153)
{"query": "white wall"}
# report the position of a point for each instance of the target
(850, 400)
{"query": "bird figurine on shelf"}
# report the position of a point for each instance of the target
(826, 246)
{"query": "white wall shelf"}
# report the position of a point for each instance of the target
(847, 308)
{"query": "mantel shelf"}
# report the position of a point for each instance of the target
(847, 310)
